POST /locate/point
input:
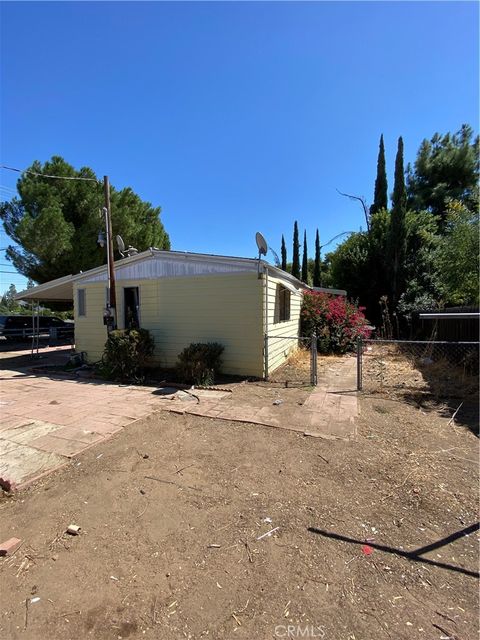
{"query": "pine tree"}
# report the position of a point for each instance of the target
(284, 254)
(54, 223)
(380, 199)
(317, 274)
(305, 259)
(296, 253)
(397, 234)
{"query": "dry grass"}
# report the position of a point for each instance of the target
(387, 367)
(296, 370)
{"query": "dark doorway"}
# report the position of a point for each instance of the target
(130, 300)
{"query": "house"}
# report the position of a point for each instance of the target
(189, 297)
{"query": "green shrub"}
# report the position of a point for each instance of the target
(126, 355)
(337, 322)
(200, 362)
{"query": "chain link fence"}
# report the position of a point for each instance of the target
(408, 367)
(296, 357)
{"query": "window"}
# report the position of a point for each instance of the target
(130, 299)
(282, 304)
(81, 302)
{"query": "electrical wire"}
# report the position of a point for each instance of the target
(45, 175)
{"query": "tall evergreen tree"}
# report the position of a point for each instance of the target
(305, 259)
(284, 254)
(54, 223)
(380, 198)
(397, 234)
(446, 169)
(317, 274)
(296, 252)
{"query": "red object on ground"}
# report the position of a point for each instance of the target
(9, 546)
(367, 549)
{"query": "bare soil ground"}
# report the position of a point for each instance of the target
(296, 370)
(179, 557)
(428, 384)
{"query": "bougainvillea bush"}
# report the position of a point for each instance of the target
(337, 322)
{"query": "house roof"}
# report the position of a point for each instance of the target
(61, 289)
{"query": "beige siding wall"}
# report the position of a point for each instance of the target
(224, 308)
(90, 332)
(279, 349)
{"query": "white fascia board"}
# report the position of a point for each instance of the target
(58, 289)
(279, 273)
(119, 263)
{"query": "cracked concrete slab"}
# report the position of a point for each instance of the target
(20, 464)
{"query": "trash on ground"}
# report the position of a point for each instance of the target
(367, 550)
(9, 546)
(268, 534)
(277, 401)
(73, 529)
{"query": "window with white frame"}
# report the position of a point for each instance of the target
(81, 302)
(282, 304)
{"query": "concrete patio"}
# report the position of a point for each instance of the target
(47, 418)
(328, 412)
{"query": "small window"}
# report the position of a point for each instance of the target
(282, 304)
(82, 303)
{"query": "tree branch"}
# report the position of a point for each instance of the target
(360, 199)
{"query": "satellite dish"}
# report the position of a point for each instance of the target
(261, 244)
(120, 245)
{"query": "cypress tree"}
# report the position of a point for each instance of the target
(397, 231)
(380, 198)
(296, 253)
(305, 260)
(317, 274)
(284, 254)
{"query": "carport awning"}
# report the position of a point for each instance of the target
(60, 290)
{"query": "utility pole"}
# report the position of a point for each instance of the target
(110, 259)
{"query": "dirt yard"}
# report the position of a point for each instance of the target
(171, 511)
(430, 384)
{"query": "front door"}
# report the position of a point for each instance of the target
(130, 304)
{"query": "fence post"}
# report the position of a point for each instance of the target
(359, 364)
(313, 360)
(52, 335)
(265, 355)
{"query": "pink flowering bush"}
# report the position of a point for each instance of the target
(337, 322)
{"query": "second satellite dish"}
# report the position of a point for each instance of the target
(261, 244)
(120, 245)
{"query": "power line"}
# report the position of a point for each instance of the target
(45, 175)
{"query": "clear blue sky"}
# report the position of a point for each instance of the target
(234, 117)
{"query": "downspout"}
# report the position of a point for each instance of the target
(265, 322)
